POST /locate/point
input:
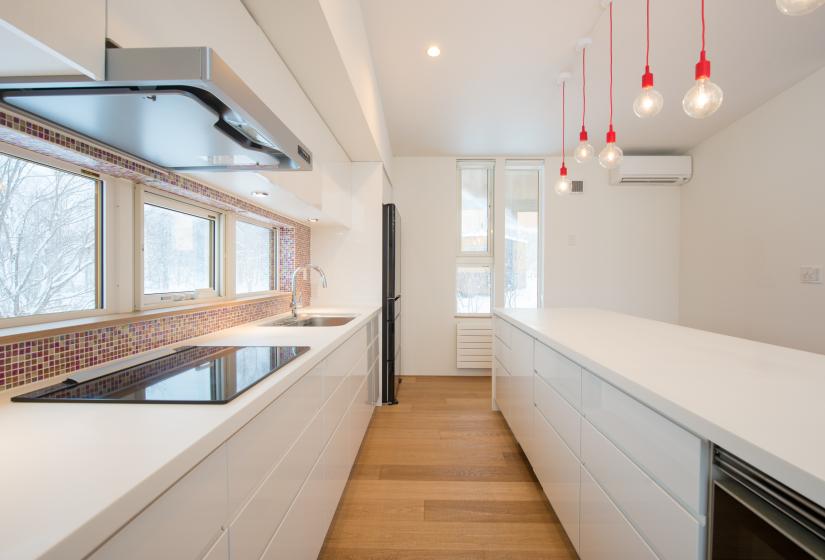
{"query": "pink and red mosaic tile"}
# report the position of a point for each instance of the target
(45, 357)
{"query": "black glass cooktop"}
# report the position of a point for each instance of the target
(192, 375)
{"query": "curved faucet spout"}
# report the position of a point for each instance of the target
(305, 269)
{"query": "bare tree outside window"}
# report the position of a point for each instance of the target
(253, 258)
(48, 240)
(178, 251)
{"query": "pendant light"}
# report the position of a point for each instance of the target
(611, 155)
(798, 7)
(563, 185)
(584, 151)
(649, 102)
(705, 97)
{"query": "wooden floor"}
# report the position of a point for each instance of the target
(440, 476)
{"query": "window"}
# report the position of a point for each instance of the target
(254, 255)
(474, 264)
(180, 251)
(473, 294)
(475, 187)
(50, 240)
(522, 233)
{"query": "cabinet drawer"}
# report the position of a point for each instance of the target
(256, 448)
(668, 528)
(182, 523)
(675, 458)
(341, 361)
(558, 412)
(502, 353)
(562, 374)
(502, 386)
(605, 533)
(502, 330)
(220, 550)
(558, 471)
(261, 516)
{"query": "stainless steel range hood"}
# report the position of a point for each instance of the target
(180, 108)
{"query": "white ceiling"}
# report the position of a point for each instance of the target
(493, 90)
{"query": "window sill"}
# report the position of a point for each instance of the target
(11, 335)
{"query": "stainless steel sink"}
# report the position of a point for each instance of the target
(311, 321)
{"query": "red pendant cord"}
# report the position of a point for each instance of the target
(563, 168)
(584, 87)
(647, 49)
(703, 66)
(611, 64)
(703, 25)
(611, 136)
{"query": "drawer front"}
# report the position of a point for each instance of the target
(181, 523)
(562, 374)
(558, 471)
(261, 516)
(675, 458)
(668, 528)
(257, 447)
(220, 550)
(605, 533)
(502, 387)
(502, 330)
(502, 353)
(559, 413)
(341, 361)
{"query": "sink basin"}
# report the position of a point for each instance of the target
(311, 321)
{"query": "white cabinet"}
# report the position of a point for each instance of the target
(558, 470)
(625, 481)
(669, 529)
(675, 458)
(561, 373)
(273, 487)
(49, 38)
(605, 534)
(184, 522)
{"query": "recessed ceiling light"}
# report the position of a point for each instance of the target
(433, 51)
(313, 220)
(260, 194)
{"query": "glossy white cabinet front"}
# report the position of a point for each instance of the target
(605, 533)
(271, 490)
(644, 494)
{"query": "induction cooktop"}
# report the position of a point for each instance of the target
(191, 375)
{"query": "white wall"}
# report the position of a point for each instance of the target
(625, 255)
(751, 216)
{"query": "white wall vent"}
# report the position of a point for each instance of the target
(652, 170)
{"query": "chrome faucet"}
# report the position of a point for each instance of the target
(307, 268)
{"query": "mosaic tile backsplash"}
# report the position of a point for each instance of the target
(37, 359)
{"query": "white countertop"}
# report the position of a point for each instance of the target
(71, 474)
(761, 402)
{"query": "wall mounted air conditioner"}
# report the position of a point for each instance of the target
(652, 170)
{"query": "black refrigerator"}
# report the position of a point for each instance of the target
(391, 286)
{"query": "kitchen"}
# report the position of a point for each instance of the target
(390, 279)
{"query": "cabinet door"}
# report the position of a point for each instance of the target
(54, 38)
(182, 523)
(522, 387)
(557, 468)
(564, 375)
(605, 533)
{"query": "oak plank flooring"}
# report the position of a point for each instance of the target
(440, 477)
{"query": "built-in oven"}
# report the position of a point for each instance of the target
(755, 517)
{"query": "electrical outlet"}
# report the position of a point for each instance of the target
(810, 274)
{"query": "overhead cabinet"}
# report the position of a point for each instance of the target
(66, 38)
(623, 479)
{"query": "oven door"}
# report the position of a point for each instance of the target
(755, 517)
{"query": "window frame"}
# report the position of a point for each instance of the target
(476, 258)
(105, 280)
(490, 166)
(539, 166)
(274, 233)
(218, 264)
